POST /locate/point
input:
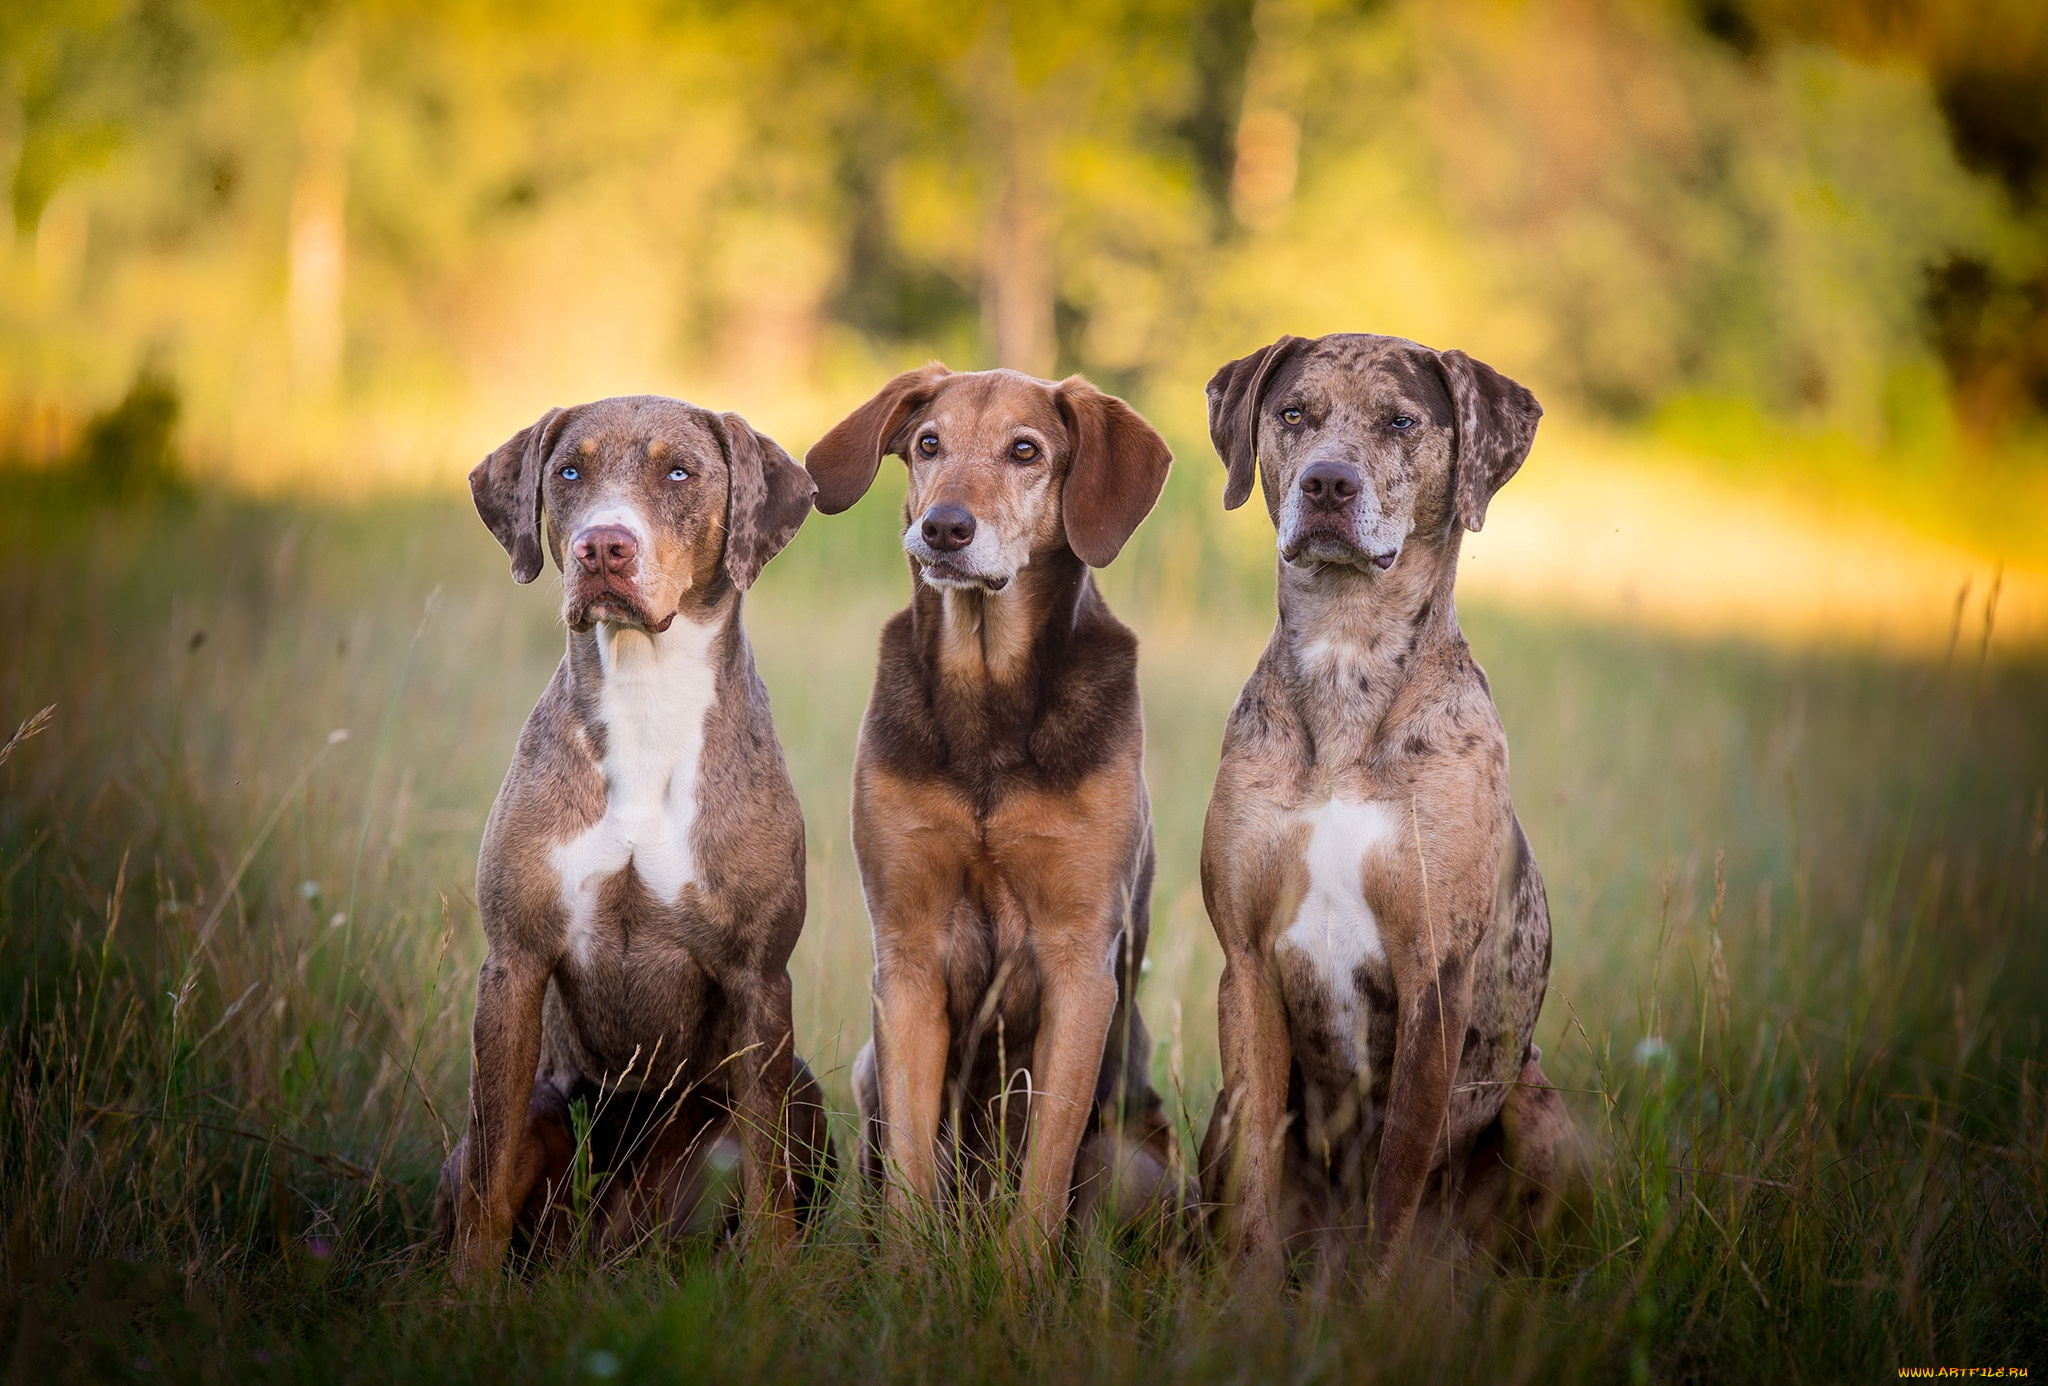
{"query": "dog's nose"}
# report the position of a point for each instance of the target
(606, 549)
(947, 528)
(1330, 484)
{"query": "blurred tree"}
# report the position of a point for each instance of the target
(373, 235)
(129, 451)
(1987, 61)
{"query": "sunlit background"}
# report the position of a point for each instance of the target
(1778, 268)
(1766, 613)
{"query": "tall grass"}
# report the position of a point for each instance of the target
(1797, 998)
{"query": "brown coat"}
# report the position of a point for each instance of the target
(999, 807)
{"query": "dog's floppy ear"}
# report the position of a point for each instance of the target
(1118, 465)
(769, 497)
(506, 488)
(1496, 424)
(1234, 394)
(845, 460)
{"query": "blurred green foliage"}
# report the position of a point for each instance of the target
(129, 451)
(368, 238)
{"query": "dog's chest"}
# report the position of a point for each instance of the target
(657, 691)
(1331, 958)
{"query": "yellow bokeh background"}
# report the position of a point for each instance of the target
(1779, 283)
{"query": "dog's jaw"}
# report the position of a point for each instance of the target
(1321, 546)
(948, 577)
(1367, 541)
(618, 610)
(982, 566)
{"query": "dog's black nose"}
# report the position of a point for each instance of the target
(947, 528)
(606, 549)
(1330, 484)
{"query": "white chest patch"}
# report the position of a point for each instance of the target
(657, 689)
(1334, 931)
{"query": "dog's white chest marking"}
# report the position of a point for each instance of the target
(657, 690)
(1334, 932)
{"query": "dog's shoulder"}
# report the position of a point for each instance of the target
(1457, 690)
(1099, 666)
(1264, 722)
(1090, 711)
(1445, 723)
(555, 768)
(900, 731)
(554, 781)
(750, 824)
(739, 722)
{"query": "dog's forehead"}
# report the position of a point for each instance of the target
(1366, 371)
(641, 425)
(994, 402)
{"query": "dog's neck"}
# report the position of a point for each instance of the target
(643, 702)
(1352, 640)
(694, 644)
(981, 642)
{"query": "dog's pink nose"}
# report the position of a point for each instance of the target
(947, 528)
(1329, 484)
(606, 549)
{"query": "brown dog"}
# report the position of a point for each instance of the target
(1384, 927)
(642, 877)
(999, 808)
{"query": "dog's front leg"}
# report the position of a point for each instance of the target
(912, 1032)
(767, 1068)
(1431, 1036)
(505, 1050)
(1078, 1000)
(1257, 1049)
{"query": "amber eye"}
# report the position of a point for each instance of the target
(1290, 416)
(929, 445)
(1023, 449)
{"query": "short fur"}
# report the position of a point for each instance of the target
(1384, 927)
(1000, 815)
(641, 883)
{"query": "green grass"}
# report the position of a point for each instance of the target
(236, 960)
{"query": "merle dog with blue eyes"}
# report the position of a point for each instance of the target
(1385, 933)
(641, 882)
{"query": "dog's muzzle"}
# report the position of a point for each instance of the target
(1327, 514)
(943, 545)
(604, 584)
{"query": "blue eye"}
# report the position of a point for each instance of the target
(678, 474)
(569, 473)
(1402, 421)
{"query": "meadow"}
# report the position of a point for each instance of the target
(1797, 1001)
(278, 271)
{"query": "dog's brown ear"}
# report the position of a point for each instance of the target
(1496, 425)
(770, 495)
(1234, 394)
(845, 460)
(1118, 467)
(506, 488)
